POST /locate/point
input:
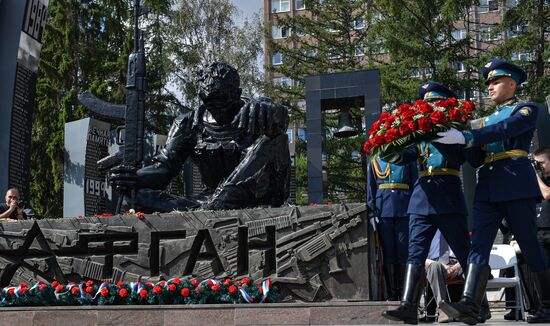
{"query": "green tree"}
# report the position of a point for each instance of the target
(526, 27)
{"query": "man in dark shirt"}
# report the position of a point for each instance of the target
(542, 165)
(10, 210)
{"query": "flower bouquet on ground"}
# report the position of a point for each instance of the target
(421, 121)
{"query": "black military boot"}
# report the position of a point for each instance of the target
(467, 309)
(542, 284)
(408, 309)
(484, 311)
(390, 274)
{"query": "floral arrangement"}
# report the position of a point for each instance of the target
(421, 121)
(173, 291)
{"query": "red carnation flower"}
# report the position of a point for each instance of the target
(374, 127)
(75, 290)
(143, 293)
(177, 281)
(452, 102)
(162, 283)
(468, 106)
(227, 281)
(406, 127)
(367, 147)
(119, 284)
(11, 291)
(425, 124)
(157, 289)
(391, 135)
(22, 291)
(71, 283)
(455, 115)
(104, 292)
(55, 283)
(59, 288)
(194, 282)
(89, 283)
(438, 117)
(384, 116)
(442, 103)
(215, 287)
(424, 107)
(171, 287)
(408, 114)
(403, 107)
(246, 281)
(122, 293)
(419, 102)
(232, 289)
(41, 287)
(89, 289)
(140, 215)
(378, 141)
(23, 285)
(209, 282)
(185, 292)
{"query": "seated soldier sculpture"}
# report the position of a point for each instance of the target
(239, 144)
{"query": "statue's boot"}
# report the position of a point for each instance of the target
(390, 275)
(484, 311)
(408, 309)
(468, 308)
(542, 284)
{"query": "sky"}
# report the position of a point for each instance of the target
(249, 7)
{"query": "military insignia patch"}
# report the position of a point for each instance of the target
(525, 111)
(488, 64)
(492, 73)
(425, 86)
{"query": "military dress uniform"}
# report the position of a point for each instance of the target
(389, 190)
(506, 188)
(437, 202)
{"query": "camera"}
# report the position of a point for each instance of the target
(536, 165)
(20, 203)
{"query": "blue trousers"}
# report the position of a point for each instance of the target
(394, 238)
(520, 216)
(422, 229)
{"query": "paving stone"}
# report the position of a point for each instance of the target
(272, 316)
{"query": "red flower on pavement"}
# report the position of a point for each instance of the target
(425, 124)
(123, 293)
(140, 215)
(143, 293)
(172, 287)
(185, 292)
(438, 117)
(104, 292)
(157, 289)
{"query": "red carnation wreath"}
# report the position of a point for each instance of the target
(421, 121)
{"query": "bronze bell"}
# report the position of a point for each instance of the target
(345, 128)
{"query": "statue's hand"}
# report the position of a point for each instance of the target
(122, 177)
(263, 117)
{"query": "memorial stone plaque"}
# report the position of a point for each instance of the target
(85, 188)
(21, 28)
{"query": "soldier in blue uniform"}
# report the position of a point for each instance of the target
(506, 188)
(437, 202)
(389, 188)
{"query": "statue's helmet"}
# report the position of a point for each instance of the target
(218, 82)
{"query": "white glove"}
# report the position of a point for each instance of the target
(373, 221)
(451, 136)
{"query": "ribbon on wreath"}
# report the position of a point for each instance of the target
(102, 286)
(266, 286)
(245, 295)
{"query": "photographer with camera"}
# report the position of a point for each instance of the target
(14, 206)
(541, 162)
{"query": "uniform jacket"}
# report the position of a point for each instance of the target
(390, 202)
(510, 127)
(436, 194)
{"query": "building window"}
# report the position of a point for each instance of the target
(488, 33)
(521, 56)
(359, 23)
(459, 34)
(359, 52)
(300, 4)
(512, 3)
(488, 5)
(459, 66)
(518, 30)
(277, 59)
(302, 135)
(280, 5)
(278, 32)
(378, 47)
(290, 134)
(282, 81)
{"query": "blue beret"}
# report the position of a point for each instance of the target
(431, 90)
(497, 68)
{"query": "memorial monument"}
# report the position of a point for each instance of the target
(22, 24)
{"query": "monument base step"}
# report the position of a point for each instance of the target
(325, 313)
